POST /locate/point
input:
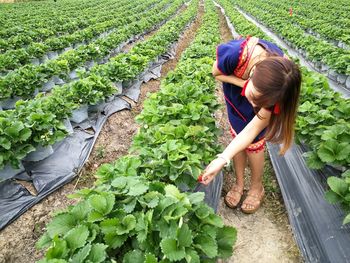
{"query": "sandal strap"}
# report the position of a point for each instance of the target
(257, 196)
(235, 189)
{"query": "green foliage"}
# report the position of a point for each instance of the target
(185, 228)
(133, 214)
(323, 122)
(340, 193)
(44, 114)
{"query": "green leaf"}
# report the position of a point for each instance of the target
(24, 134)
(151, 199)
(120, 182)
(77, 237)
(171, 190)
(346, 174)
(43, 242)
(192, 256)
(109, 226)
(346, 219)
(102, 203)
(98, 253)
(141, 228)
(184, 236)
(209, 230)
(5, 143)
(115, 241)
(326, 154)
(171, 250)
(167, 229)
(138, 189)
(337, 185)
(81, 255)
(130, 206)
(99, 203)
(105, 172)
(81, 210)
(214, 220)
(14, 129)
(202, 211)
(126, 225)
(332, 197)
(135, 256)
(226, 238)
(313, 161)
(196, 198)
(174, 212)
(343, 151)
(207, 244)
(150, 258)
(58, 250)
(53, 261)
(95, 216)
(61, 224)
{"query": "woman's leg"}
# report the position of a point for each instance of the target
(256, 163)
(240, 163)
(234, 195)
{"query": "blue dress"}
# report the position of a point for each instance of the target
(240, 111)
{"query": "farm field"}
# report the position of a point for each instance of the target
(109, 113)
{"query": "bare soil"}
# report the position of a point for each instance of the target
(17, 241)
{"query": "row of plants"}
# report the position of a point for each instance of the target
(332, 26)
(178, 134)
(24, 81)
(337, 17)
(13, 59)
(39, 122)
(26, 33)
(136, 220)
(23, 18)
(132, 214)
(323, 124)
(317, 51)
(323, 118)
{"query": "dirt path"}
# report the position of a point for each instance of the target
(17, 241)
(265, 236)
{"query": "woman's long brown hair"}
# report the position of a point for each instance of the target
(278, 80)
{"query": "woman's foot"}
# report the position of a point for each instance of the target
(234, 196)
(253, 200)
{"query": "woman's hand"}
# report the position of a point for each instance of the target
(211, 171)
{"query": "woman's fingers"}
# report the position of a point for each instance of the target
(211, 171)
(207, 178)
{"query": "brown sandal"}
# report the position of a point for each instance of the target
(230, 195)
(257, 197)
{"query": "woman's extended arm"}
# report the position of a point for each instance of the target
(228, 79)
(238, 144)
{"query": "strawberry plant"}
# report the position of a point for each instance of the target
(131, 216)
(340, 193)
(30, 77)
(323, 123)
(93, 86)
(134, 220)
(317, 49)
(14, 133)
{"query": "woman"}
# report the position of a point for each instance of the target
(261, 88)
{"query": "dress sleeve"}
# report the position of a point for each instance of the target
(227, 56)
(271, 47)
